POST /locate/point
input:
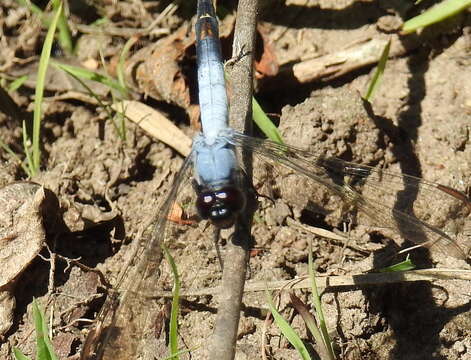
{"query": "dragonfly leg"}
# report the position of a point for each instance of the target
(240, 53)
(216, 235)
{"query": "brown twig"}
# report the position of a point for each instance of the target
(223, 341)
(339, 282)
(365, 53)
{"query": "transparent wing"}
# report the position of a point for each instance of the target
(127, 319)
(418, 210)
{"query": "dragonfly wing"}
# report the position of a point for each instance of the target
(127, 319)
(418, 210)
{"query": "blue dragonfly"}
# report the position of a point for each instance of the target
(219, 193)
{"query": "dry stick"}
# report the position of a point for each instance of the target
(338, 283)
(223, 341)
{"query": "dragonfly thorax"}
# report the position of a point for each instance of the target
(221, 205)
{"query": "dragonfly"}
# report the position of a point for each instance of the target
(215, 183)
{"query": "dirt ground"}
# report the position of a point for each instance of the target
(104, 190)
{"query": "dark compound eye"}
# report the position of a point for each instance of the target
(221, 206)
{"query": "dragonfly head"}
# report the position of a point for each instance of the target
(221, 205)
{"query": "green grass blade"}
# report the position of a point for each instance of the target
(405, 265)
(376, 80)
(39, 91)
(27, 148)
(173, 328)
(264, 123)
(17, 83)
(287, 330)
(318, 307)
(44, 350)
(19, 355)
(120, 126)
(85, 86)
(100, 22)
(122, 58)
(435, 14)
(181, 352)
(5, 147)
(121, 121)
(91, 75)
(65, 38)
(309, 320)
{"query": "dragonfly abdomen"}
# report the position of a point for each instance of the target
(212, 87)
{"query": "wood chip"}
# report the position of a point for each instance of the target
(156, 124)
